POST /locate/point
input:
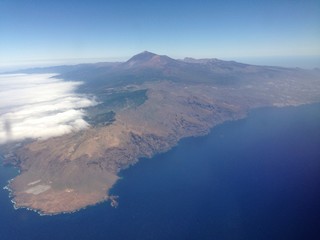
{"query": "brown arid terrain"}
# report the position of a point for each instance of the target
(183, 98)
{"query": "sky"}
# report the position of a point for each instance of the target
(53, 32)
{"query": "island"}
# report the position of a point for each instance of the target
(146, 105)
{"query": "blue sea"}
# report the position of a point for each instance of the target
(256, 178)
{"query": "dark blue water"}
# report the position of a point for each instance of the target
(257, 178)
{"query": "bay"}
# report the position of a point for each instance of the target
(255, 178)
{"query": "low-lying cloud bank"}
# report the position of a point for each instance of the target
(38, 106)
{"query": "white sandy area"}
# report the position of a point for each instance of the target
(38, 189)
(35, 182)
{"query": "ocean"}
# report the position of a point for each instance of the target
(256, 178)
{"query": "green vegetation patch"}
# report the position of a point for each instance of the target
(124, 99)
(102, 119)
(104, 113)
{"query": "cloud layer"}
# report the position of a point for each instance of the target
(38, 106)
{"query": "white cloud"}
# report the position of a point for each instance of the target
(38, 106)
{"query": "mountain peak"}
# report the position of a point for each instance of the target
(148, 59)
(146, 53)
(144, 56)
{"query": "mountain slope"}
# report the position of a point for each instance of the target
(147, 66)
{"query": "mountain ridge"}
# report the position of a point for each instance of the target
(150, 67)
(148, 59)
(145, 60)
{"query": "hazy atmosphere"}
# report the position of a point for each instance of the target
(159, 120)
(276, 32)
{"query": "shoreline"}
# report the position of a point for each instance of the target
(108, 198)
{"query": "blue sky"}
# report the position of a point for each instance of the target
(117, 29)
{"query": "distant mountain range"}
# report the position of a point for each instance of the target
(147, 66)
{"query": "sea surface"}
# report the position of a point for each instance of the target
(256, 178)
